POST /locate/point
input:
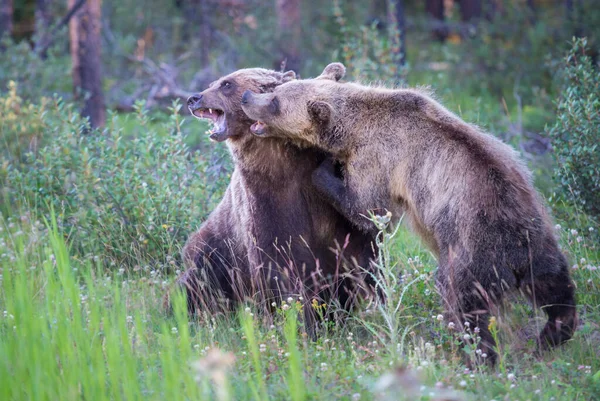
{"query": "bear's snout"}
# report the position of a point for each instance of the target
(193, 101)
(246, 97)
(255, 105)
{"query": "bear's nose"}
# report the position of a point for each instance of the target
(246, 97)
(194, 100)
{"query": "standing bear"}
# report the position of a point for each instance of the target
(273, 234)
(463, 191)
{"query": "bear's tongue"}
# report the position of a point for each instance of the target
(219, 130)
(258, 128)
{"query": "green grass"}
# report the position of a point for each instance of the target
(76, 330)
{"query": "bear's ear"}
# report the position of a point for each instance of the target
(319, 112)
(288, 76)
(333, 72)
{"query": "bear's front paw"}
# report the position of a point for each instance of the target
(326, 182)
(324, 175)
(329, 165)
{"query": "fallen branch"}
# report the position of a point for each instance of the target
(42, 45)
(161, 85)
(165, 80)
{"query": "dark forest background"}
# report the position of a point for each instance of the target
(125, 50)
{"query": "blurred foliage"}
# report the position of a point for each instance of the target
(512, 49)
(515, 48)
(576, 133)
(36, 77)
(131, 196)
(367, 54)
(21, 124)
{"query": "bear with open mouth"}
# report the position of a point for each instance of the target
(466, 193)
(272, 235)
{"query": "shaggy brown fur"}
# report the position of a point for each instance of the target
(464, 192)
(273, 232)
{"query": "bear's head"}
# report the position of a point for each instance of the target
(300, 109)
(221, 101)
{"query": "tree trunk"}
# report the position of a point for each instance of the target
(377, 13)
(435, 10)
(289, 34)
(42, 16)
(470, 9)
(531, 12)
(574, 11)
(6, 17)
(569, 5)
(396, 17)
(84, 33)
(197, 26)
(206, 33)
(494, 7)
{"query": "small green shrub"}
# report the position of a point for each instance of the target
(36, 77)
(367, 53)
(513, 48)
(575, 133)
(506, 53)
(132, 196)
(21, 124)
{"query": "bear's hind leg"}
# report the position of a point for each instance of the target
(554, 292)
(468, 305)
(475, 315)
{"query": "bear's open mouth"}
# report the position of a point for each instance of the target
(217, 116)
(258, 128)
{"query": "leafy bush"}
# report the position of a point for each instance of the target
(513, 49)
(19, 134)
(131, 195)
(575, 134)
(509, 52)
(367, 53)
(36, 77)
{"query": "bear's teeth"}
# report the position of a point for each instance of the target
(210, 111)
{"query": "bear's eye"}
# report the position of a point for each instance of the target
(274, 107)
(226, 85)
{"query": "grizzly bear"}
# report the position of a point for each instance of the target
(273, 233)
(464, 192)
